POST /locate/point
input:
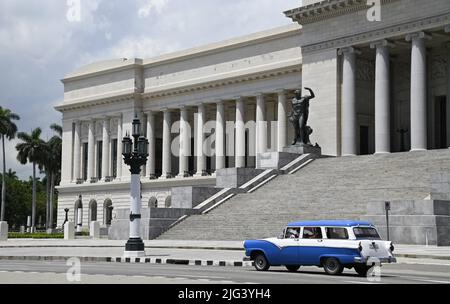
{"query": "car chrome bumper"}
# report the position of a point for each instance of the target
(364, 260)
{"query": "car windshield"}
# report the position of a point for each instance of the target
(366, 233)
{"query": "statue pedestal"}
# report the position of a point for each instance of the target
(277, 160)
(303, 149)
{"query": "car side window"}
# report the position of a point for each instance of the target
(337, 233)
(292, 233)
(312, 233)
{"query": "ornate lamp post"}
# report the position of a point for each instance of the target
(135, 154)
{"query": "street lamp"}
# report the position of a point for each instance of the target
(135, 154)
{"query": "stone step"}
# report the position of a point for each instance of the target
(328, 188)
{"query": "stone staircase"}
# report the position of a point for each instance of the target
(328, 188)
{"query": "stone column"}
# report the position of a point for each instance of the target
(418, 91)
(185, 141)
(382, 98)
(91, 151)
(166, 153)
(261, 124)
(77, 152)
(200, 139)
(282, 120)
(240, 133)
(119, 147)
(220, 136)
(105, 149)
(349, 122)
(151, 135)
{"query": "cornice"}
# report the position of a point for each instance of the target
(182, 89)
(327, 9)
(389, 32)
(97, 102)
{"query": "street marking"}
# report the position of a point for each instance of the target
(362, 282)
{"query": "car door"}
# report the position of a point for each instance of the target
(310, 246)
(288, 248)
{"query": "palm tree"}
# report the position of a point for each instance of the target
(12, 174)
(7, 129)
(32, 150)
(53, 167)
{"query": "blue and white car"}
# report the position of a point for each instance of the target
(333, 245)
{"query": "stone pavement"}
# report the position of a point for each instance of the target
(216, 253)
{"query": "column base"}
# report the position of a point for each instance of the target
(201, 174)
(166, 176)
(418, 150)
(134, 247)
(382, 153)
(183, 175)
(152, 177)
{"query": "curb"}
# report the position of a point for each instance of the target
(160, 261)
(216, 263)
(121, 246)
(422, 256)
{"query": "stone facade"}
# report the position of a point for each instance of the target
(380, 87)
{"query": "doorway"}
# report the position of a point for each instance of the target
(440, 122)
(364, 140)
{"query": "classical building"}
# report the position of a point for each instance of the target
(381, 87)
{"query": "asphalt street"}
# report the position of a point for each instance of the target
(38, 272)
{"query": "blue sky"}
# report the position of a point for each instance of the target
(39, 44)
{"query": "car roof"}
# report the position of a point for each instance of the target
(331, 223)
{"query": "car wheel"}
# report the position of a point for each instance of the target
(362, 270)
(293, 268)
(261, 263)
(332, 266)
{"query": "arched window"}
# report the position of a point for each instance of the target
(107, 212)
(78, 212)
(168, 201)
(92, 211)
(153, 202)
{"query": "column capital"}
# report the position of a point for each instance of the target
(382, 43)
(349, 50)
(281, 91)
(219, 102)
(417, 35)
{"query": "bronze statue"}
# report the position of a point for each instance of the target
(299, 117)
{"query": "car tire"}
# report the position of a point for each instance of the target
(362, 270)
(261, 263)
(292, 268)
(332, 266)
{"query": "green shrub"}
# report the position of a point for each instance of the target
(16, 235)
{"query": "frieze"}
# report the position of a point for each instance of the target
(385, 33)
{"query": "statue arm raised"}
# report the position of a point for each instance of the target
(311, 92)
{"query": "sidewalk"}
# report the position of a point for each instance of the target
(215, 253)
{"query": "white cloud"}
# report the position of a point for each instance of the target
(152, 5)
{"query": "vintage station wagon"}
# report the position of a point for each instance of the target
(333, 245)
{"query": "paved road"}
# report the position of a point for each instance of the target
(55, 272)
